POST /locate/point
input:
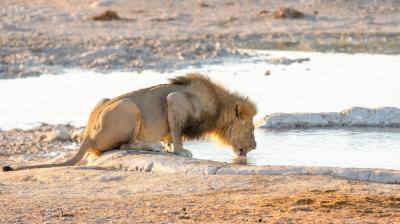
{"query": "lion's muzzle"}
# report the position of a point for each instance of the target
(242, 152)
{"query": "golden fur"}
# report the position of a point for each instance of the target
(189, 107)
(227, 108)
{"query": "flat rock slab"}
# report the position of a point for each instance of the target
(353, 117)
(167, 163)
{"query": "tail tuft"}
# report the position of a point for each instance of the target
(7, 168)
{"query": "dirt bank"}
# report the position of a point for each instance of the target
(46, 36)
(79, 194)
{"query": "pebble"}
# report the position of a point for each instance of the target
(59, 133)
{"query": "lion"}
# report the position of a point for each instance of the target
(159, 118)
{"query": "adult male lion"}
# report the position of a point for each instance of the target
(188, 107)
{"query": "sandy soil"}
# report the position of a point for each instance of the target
(98, 195)
(81, 194)
(45, 36)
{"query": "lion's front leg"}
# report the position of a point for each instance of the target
(179, 109)
(169, 147)
(181, 152)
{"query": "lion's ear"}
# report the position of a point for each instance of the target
(239, 109)
(245, 110)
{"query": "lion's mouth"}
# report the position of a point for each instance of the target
(242, 152)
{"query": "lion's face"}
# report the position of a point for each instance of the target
(241, 137)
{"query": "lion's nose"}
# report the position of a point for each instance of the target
(253, 145)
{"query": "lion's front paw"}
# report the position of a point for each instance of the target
(184, 153)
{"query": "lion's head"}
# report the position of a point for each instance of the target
(227, 117)
(237, 129)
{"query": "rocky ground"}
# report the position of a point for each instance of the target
(93, 195)
(37, 144)
(46, 36)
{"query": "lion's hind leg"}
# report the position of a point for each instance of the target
(133, 143)
(116, 124)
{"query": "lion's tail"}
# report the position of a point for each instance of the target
(74, 160)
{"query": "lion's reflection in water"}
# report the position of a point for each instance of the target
(241, 160)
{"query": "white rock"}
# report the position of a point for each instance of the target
(161, 163)
(102, 3)
(226, 171)
(77, 135)
(245, 171)
(59, 133)
(355, 116)
(364, 175)
(210, 170)
(111, 178)
(264, 172)
(383, 177)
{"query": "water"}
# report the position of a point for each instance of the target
(327, 82)
(355, 147)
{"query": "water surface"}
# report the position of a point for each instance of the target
(349, 147)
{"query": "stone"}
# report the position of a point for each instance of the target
(288, 13)
(107, 15)
(210, 170)
(355, 116)
(77, 135)
(245, 171)
(226, 171)
(165, 163)
(59, 133)
(102, 3)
